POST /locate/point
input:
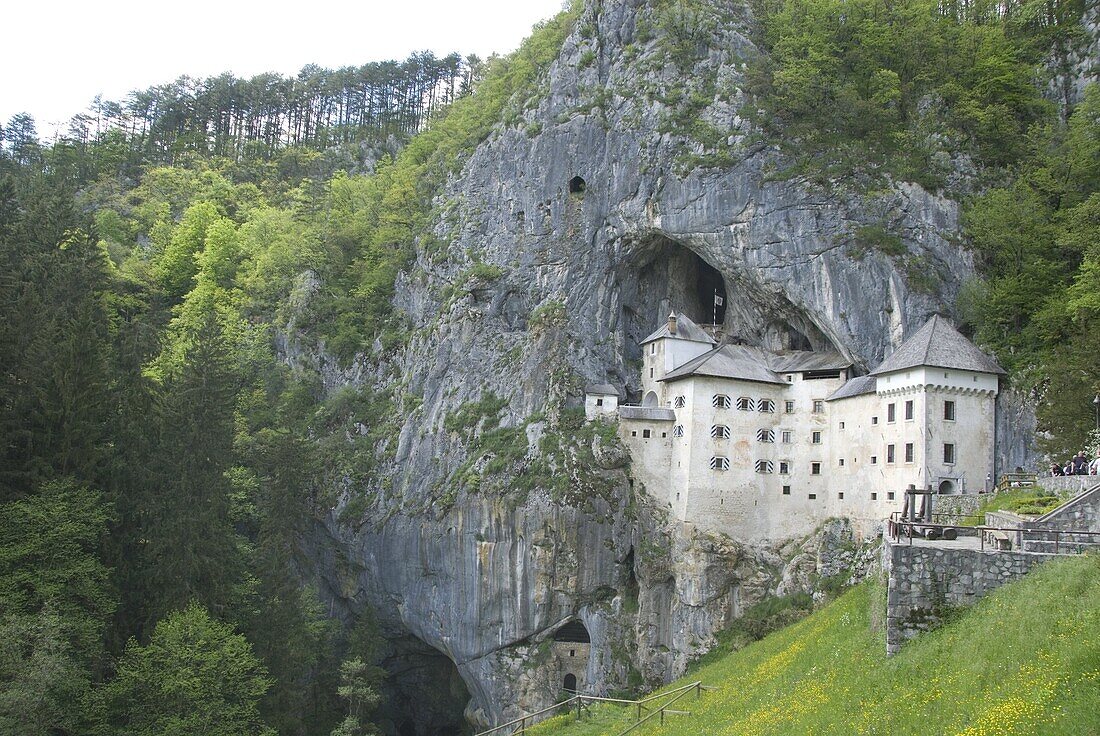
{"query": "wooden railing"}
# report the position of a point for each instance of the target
(580, 703)
(1016, 480)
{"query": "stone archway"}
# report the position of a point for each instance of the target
(569, 683)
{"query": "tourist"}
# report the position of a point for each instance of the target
(1056, 470)
(1094, 466)
(1080, 464)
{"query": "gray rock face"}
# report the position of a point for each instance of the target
(663, 221)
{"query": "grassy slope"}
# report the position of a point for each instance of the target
(1025, 660)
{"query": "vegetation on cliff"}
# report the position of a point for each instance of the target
(1024, 660)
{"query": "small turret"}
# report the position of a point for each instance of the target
(672, 323)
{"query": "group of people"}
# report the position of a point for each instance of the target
(1077, 465)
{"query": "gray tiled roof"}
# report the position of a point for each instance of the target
(796, 361)
(729, 361)
(755, 364)
(601, 389)
(939, 345)
(685, 330)
(855, 387)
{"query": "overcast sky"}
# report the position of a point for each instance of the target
(56, 57)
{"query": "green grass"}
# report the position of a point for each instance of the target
(1033, 501)
(1024, 660)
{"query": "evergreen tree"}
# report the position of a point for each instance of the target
(195, 676)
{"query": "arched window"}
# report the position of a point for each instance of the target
(570, 683)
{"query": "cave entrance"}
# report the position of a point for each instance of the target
(569, 684)
(661, 276)
(423, 694)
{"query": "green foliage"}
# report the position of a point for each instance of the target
(194, 676)
(1036, 241)
(865, 86)
(1022, 661)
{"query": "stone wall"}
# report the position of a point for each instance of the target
(926, 580)
(1068, 485)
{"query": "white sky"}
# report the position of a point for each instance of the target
(56, 57)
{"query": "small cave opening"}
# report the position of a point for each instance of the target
(423, 694)
(569, 683)
(577, 185)
(661, 276)
(574, 631)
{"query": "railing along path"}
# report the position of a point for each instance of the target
(580, 703)
(932, 531)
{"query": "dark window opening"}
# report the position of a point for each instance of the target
(786, 490)
(817, 375)
(889, 495)
(874, 496)
(577, 185)
(813, 496)
(570, 683)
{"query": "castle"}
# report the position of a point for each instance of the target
(764, 445)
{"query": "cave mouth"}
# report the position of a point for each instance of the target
(423, 694)
(662, 276)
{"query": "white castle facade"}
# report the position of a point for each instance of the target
(764, 446)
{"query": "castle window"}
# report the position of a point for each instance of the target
(891, 413)
(784, 467)
(645, 434)
(874, 496)
(948, 453)
(763, 466)
(765, 405)
(786, 490)
(678, 430)
(765, 435)
(874, 420)
(678, 402)
(815, 437)
(908, 452)
(720, 401)
(653, 349)
(842, 462)
(720, 432)
(949, 411)
(815, 468)
(889, 495)
(786, 436)
(840, 495)
(599, 402)
(819, 406)
(651, 373)
(813, 496)
(719, 463)
(842, 425)
(744, 403)
(788, 406)
(909, 410)
(874, 459)
(889, 453)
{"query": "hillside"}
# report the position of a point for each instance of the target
(1025, 660)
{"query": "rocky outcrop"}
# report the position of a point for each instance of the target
(629, 184)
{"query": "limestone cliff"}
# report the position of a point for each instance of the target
(629, 183)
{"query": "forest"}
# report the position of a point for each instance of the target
(160, 463)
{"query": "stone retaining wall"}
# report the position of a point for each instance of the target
(924, 581)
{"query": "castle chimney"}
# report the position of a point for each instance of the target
(672, 323)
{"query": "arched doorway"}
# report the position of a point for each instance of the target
(947, 486)
(570, 683)
(650, 399)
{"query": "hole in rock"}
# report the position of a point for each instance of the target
(573, 631)
(661, 276)
(577, 185)
(423, 694)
